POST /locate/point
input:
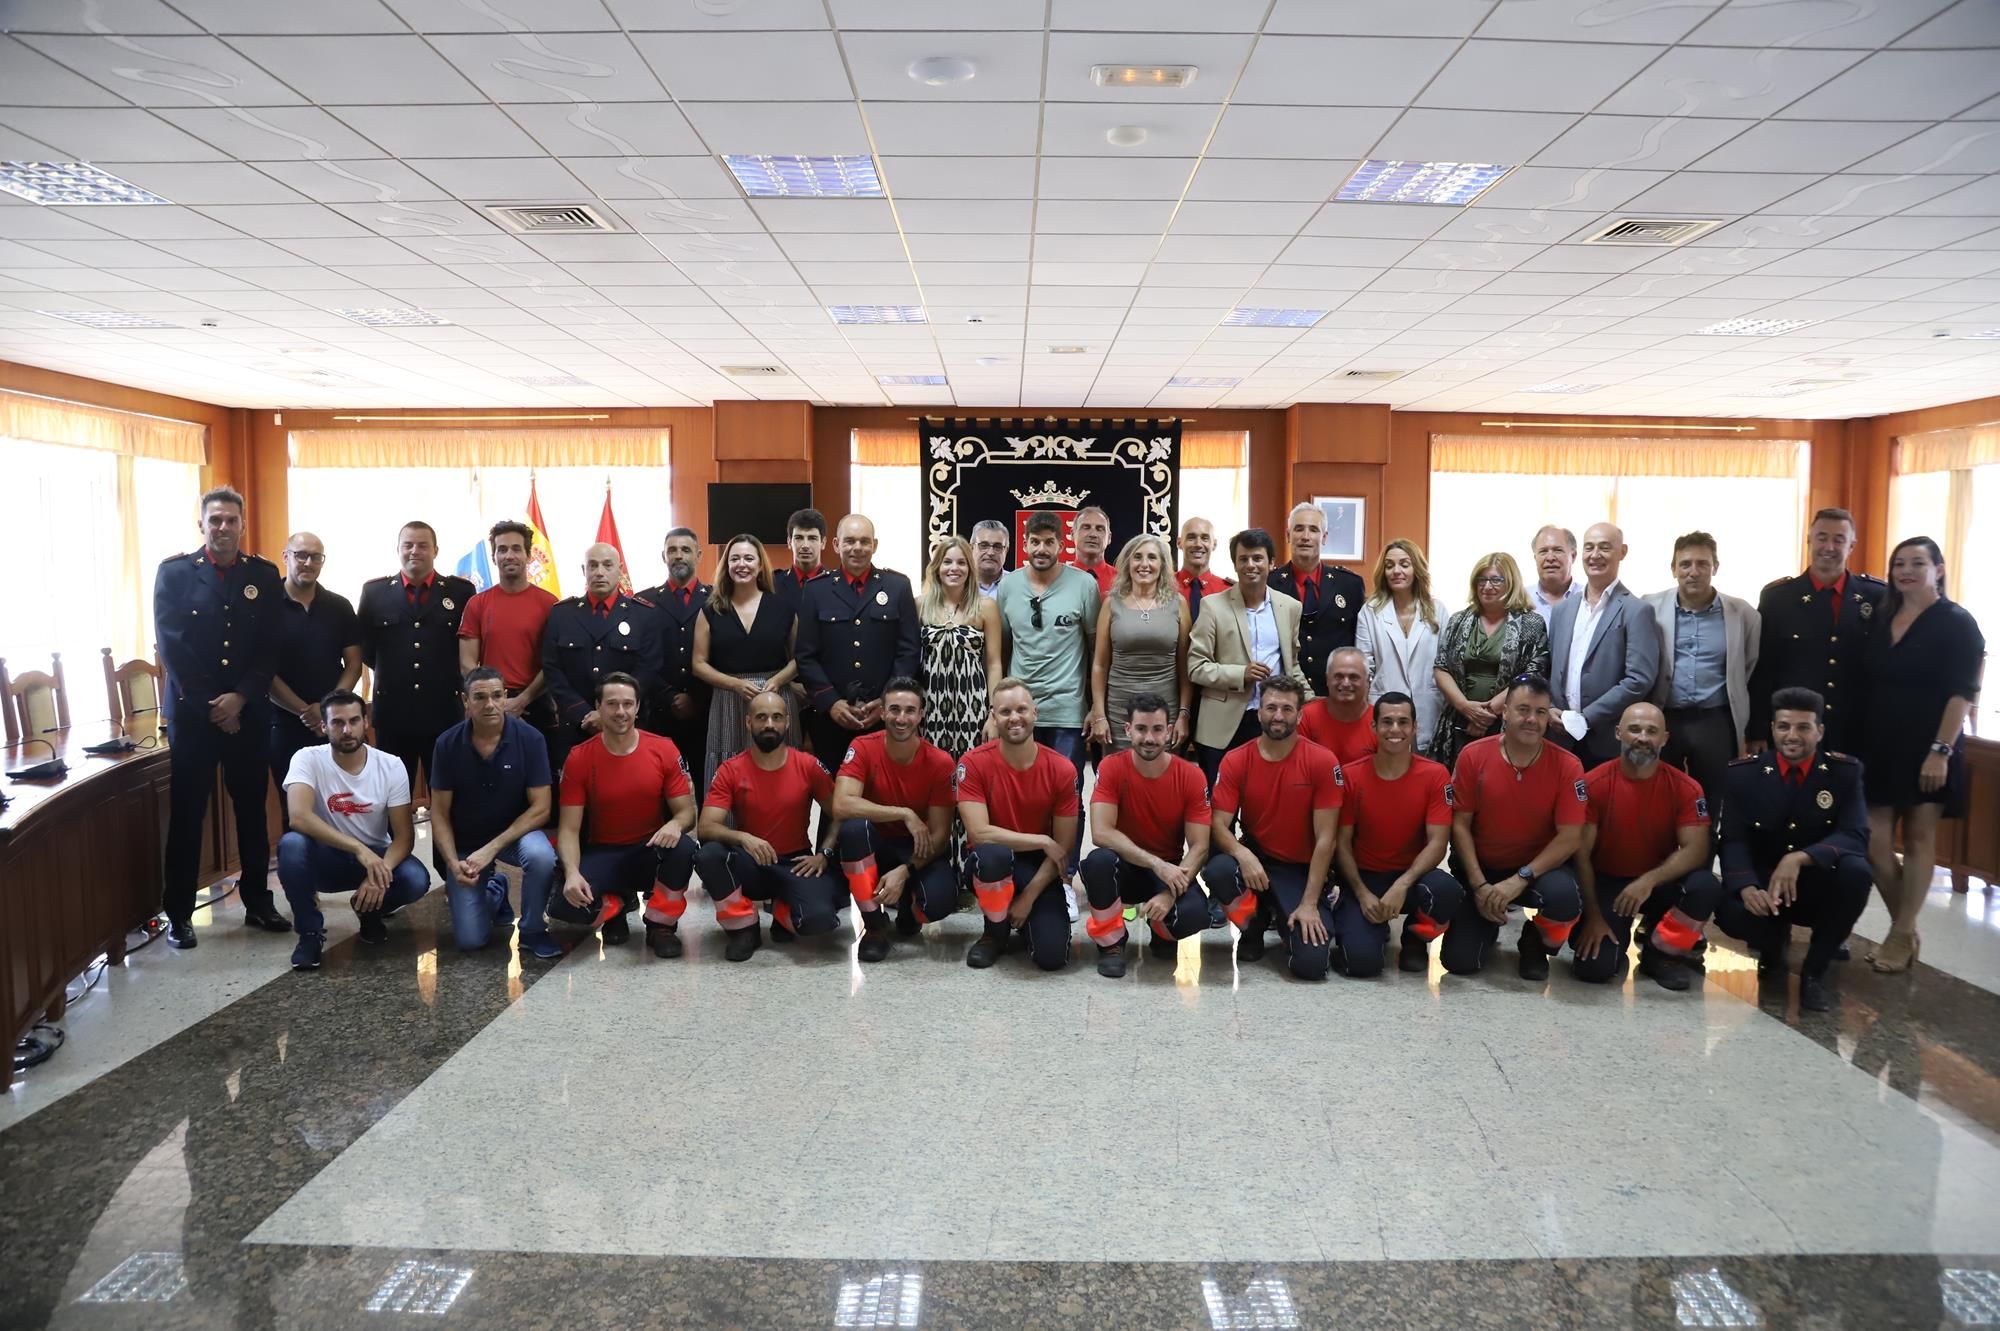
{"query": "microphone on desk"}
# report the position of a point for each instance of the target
(42, 771)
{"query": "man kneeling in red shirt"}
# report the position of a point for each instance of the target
(1018, 802)
(892, 796)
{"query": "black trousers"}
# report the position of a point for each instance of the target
(1829, 901)
(415, 744)
(1210, 759)
(1558, 901)
(1695, 896)
(626, 872)
(196, 747)
(808, 906)
(288, 736)
(997, 873)
(865, 855)
(1109, 881)
(1701, 741)
(830, 739)
(1288, 888)
(1428, 909)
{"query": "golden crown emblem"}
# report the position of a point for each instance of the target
(1051, 493)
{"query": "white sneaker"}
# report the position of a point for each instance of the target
(1069, 899)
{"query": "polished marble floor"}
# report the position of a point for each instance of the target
(799, 1141)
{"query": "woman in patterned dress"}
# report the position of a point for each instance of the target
(961, 633)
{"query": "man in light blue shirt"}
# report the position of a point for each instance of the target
(1554, 550)
(1708, 648)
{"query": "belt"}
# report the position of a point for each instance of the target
(1698, 711)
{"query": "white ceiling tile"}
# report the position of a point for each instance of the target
(1182, 275)
(1211, 217)
(1650, 142)
(1385, 220)
(1302, 132)
(1803, 145)
(1344, 71)
(198, 183)
(31, 77)
(279, 221)
(1535, 76)
(1178, 249)
(1457, 282)
(953, 215)
(566, 67)
(1150, 16)
(742, 66)
(1770, 230)
(1963, 26)
(351, 251)
(98, 253)
(1718, 193)
(241, 253)
(1318, 277)
(154, 223)
(1540, 284)
(1981, 198)
(1483, 256)
(690, 217)
(1956, 146)
(808, 128)
(1099, 249)
(641, 178)
(831, 215)
(516, 15)
(1250, 178)
(1787, 23)
(862, 247)
(1123, 216)
(1726, 82)
(104, 134)
(1964, 263)
(130, 17)
(359, 70)
(408, 220)
(1088, 274)
(1870, 196)
(953, 177)
(615, 129)
(912, 14)
(1128, 178)
(1588, 20)
(1078, 129)
(441, 131)
(982, 129)
(1566, 189)
(1216, 60)
(1008, 65)
(1586, 259)
(230, 17)
(1505, 137)
(958, 248)
(1411, 18)
(854, 274)
(516, 178)
(353, 181)
(1904, 85)
(1346, 252)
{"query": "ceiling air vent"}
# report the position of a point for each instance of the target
(1372, 374)
(551, 219)
(753, 371)
(1661, 232)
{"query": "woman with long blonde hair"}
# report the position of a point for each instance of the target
(1397, 631)
(742, 646)
(1495, 638)
(1141, 643)
(960, 627)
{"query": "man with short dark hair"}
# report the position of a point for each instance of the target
(678, 707)
(590, 638)
(1395, 825)
(409, 639)
(756, 842)
(351, 831)
(490, 799)
(857, 630)
(503, 626)
(1518, 805)
(630, 791)
(1645, 854)
(1812, 631)
(1049, 611)
(1287, 795)
(1018, 800)
(1330, 597)
(1149, 817)
(892, 797)
(217, 619)
(1708, 651)
(1090, 533)
(1244, 636)
(1342, 722)
(1794, 846)
(990, 544)
(805, 535)
(319, 651)
(1554, 551)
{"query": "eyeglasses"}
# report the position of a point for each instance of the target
(304, 557)
(1035, 605)
(1490, 580)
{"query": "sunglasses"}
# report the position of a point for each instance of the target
(1035, 606)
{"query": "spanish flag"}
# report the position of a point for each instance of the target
(541, 556)
(607, 534)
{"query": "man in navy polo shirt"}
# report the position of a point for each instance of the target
(490, 798)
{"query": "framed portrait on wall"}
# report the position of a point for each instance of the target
(1344, 527)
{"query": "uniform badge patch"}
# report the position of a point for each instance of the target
(881, 598)
(957, 777)
(624, 628)
(1701, 806)
(1340, 599)
(850, 755)
(1582, 793)
(1867, 608)
(250, 591)
(448, 605)
(1450, 796)
(1824, 799)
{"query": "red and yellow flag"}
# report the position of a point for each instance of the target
(541, 555)
(607, 534)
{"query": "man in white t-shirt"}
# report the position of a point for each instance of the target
(351, 831)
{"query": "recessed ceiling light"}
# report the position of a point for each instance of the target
(909, 379)
(1984, 335)
(877, 314)
(1198, 381)
(1561, 388)
(1142, 76)
(107, 319)
(989, 360)
(767, 176)
(547, 381)
(1067, 351)
(1451, 184)
(71, 184)
(1126, 136)
(1791, 389)
(937, 71)
(403, 317)
(1751, 327)
(1245, 316)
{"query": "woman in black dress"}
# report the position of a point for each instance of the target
(742, 646)
(1920, 670)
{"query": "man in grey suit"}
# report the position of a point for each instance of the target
(1243, 636)
(1604, 652)
(1708, 647)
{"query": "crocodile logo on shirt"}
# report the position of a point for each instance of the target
(347, 804)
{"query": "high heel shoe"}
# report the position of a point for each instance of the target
(1896, 953)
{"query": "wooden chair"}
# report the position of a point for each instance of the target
(34, 704)
(133, 688)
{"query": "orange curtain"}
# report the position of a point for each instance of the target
(1215, 448)
(479, 448)
(1948, 450)
(893, 447)
(48, 420)
(1559, 455)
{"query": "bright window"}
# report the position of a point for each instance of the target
(87, 528)
(892, 497)
(1215, 484)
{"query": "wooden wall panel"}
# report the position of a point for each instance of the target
(763, 432)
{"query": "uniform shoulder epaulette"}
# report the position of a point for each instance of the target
(1835, 756)
(1779, 582)
(257, 559)
(642, 601)
(185, 554)
(1868, 577)
(387, 577)
(1746, 758)
(569, 600)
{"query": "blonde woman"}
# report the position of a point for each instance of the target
(1483, 646)
(742, 646)
(961, 645)
(1141, 644)
(1398, 631)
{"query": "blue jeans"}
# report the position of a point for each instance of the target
(307, 868)
(473, 909)
(1068, 741)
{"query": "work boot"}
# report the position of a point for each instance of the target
(742, 943)
(1534, 955)
(1111, 961)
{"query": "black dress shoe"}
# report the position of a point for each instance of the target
(1164, 949)
(374, 929)
(1813, 996)
(664, 940)
(1666, 971)
(907, 923)
(617, 931)
(1534, 965)
(1111, 962)
(180, 934)
(1771, 965)
(267, 919)
(1414, 956)
(742, 943)
(874, 943)
(988, 949)
(1250, 947)
(1842, 954)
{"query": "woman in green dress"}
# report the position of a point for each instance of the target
(1495, 638)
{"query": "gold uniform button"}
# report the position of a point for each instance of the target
(225, 660)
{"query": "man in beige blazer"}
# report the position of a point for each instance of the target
(1242, 637)
(1708, 647)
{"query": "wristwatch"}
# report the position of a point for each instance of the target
(1526, 875)
(1944, 749)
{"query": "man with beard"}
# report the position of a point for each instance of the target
(1794, 847)
(857, 630)
(1342, 722)
(1090, 533)
(1395, 825)
(678, 707)
(1329, 596)
(503, 627)
(1518, 806)
(756, 845)
(1018, 801)
(1245, 636)
(1149, 817)
(319, 650)
(893, 799)
(1644, 855)
(409, 638)
(591, 637)
(990, 543)
(1288, 795)
(1554, 550)
(630, 791)
(1811, 632)
(1049, 612)
(351, 831)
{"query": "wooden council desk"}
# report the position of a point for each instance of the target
(80, 862)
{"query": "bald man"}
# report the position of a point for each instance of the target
(857, 631)
(1645, 855)
(319, 650)
(1605, 653)
(589, 637)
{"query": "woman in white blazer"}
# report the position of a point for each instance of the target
(1398, 631)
